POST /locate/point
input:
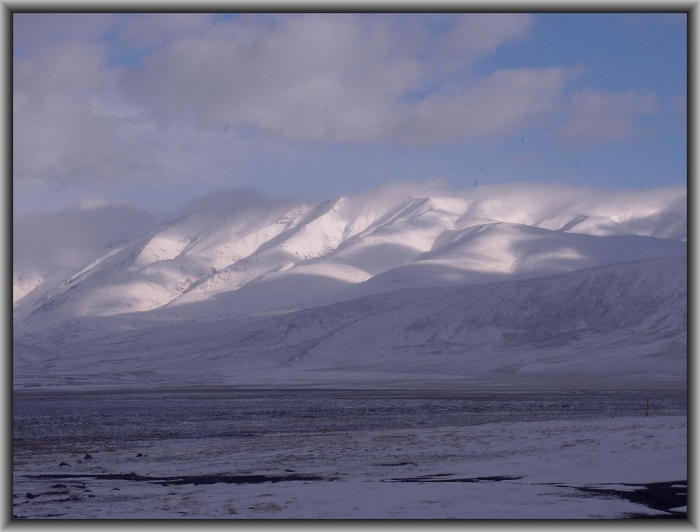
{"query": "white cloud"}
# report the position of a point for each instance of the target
(596, 116)
(51, 122)
(32, 30)
(187, 111)
(679, 107)
(495, 105)
(324, 77)
(68, 239)
(70, 125)
(156, 29)
(471, 36)
(88, 202)
(311, 76)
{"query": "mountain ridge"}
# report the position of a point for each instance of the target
(375, 288)
(202, 252)
(625, 321)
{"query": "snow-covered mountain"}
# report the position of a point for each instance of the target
(469, 283)
(50, 247)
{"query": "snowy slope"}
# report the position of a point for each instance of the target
(500, 251)
(498, 281)
(47, 248)
(258, 256)
(616, 325)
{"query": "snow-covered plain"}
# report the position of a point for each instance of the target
(411, 473)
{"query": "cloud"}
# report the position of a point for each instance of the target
(53, 126)
(321, 77)
(471, 37)
(88, 202)
(71, 125)
(68, 239)
(157, 29)
(105, 102)
(679, 108)
(311, 77)
(600, 117)
(494, 106)
(34, 30)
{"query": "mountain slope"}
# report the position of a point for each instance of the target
(491, 285)
(228, 257)
(49, 247)
(622, 324)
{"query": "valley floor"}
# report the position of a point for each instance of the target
(600, 468)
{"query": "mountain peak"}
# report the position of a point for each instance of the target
(288, 255)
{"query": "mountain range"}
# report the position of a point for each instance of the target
(486, 286)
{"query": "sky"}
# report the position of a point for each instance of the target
(154, 110)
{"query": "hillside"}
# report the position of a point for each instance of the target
(262, 256)
(617, 325)
(495, 286)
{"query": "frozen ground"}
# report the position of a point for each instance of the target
(552, 469)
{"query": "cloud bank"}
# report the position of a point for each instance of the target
(596, 116)
(338, 78)
(112, 99)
